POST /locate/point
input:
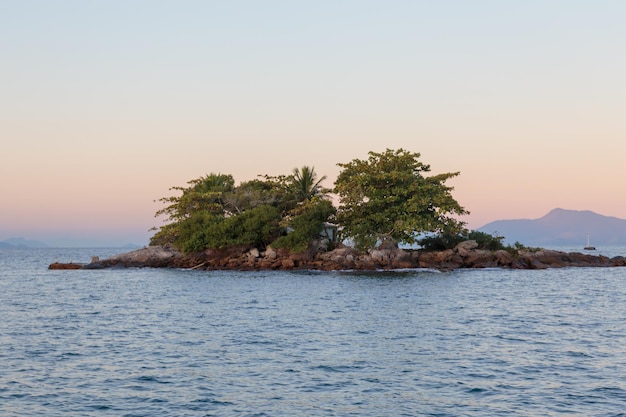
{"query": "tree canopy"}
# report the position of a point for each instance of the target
(387, 198)
(214, 213)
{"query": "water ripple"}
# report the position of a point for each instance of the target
(191, 343)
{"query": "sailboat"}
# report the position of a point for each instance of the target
(589, 247)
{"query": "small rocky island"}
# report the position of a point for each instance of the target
(390, 197)
(464, 255)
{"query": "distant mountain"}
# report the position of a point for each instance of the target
(562, 227)
(19, 242)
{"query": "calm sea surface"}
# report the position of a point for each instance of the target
(144, 342)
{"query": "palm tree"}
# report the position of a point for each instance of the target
(305, 184)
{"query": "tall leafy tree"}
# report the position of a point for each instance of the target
(199, 204)
(387, 198)
(307, 225)
(204, 193)
(251, 194)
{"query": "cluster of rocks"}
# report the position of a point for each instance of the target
(464, 255)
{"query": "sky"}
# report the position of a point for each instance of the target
(105, 105)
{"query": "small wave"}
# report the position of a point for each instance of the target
(149, 378)
(576, 354)
(610, 392)
(211, 401)
(337, 369)
(475, 390)
(99, 407)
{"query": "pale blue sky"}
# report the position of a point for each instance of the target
(106, 104)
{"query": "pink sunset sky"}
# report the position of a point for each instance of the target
(104, 105)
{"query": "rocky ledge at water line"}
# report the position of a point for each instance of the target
(464, 255)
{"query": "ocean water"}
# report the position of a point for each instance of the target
(145, 342)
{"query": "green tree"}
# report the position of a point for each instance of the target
(196, 231)
(254, 193)
(387, 198)
(306, 226)
(203, 196)
(305, 185)
(211, 212)
(256, 227)
(204, 193)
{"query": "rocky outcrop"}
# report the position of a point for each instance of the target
(464, 255)
(66, 265)
(152, 256)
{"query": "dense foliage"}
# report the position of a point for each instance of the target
(486, 241)
(446, 240)
(214, 213)
(387, 198)
(306, 226)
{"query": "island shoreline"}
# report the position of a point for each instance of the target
(465, 255)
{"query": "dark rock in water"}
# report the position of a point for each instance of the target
(69, 265)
